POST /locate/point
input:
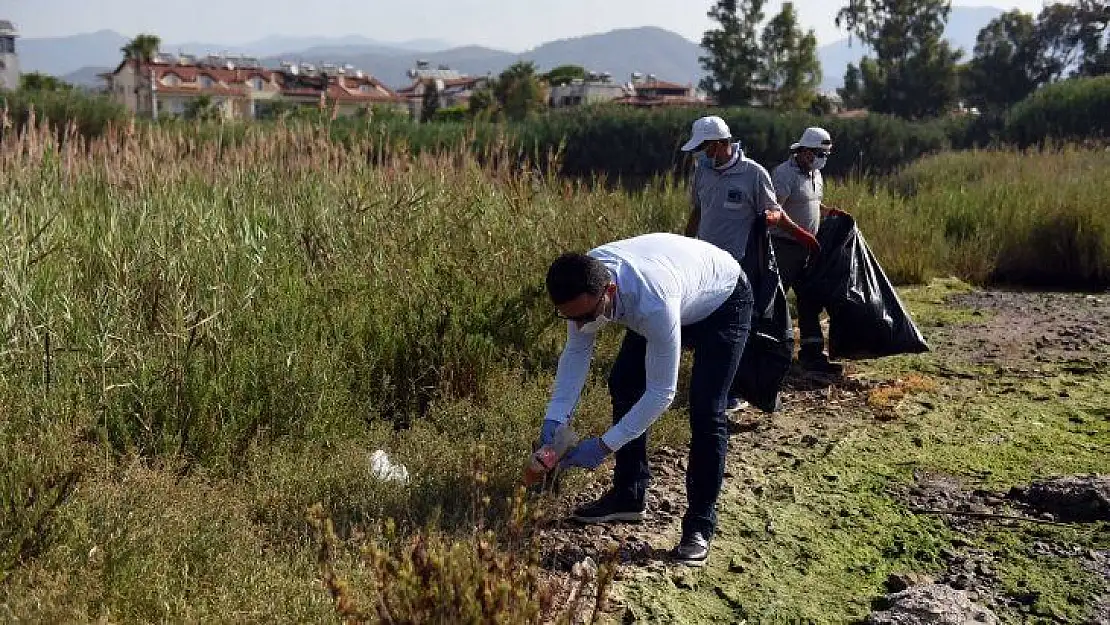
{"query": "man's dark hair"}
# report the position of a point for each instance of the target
(572, 274)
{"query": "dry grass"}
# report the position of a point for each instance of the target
(887, 396)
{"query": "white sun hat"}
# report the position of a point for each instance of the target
(711, 128)
(815, 138)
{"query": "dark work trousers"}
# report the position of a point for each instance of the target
(717, 342)
(791, 257)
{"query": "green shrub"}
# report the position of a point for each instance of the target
(618, 142)
(451, 114)
(1072, 110)
(1032, 218)
(89, 115)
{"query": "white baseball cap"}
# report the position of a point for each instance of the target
(815, 138)
(711, 128)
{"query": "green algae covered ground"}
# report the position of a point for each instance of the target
(829, 498)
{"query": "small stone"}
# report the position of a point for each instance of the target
(685, 579)
(897, 582)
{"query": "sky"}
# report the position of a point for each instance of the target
(514, 25)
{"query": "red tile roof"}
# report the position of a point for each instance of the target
(339, 93)
(659, 84)
(196, 90)
(234, 82)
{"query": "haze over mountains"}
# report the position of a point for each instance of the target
(654, 50)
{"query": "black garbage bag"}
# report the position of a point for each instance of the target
(866, 317)
(770, 345)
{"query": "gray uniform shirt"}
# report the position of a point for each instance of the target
(729, 199)
(800, 194)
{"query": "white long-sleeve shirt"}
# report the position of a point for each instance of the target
(664, 281)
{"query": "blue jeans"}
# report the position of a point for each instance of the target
(717, 342)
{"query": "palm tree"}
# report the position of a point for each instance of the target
(142, 48)
(139, 51)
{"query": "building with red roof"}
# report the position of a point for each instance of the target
(240, 88)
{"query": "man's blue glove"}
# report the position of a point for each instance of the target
(547, 432)
(589, 454)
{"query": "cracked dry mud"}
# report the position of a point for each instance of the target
(1009, 332)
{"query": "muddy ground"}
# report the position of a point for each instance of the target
(984, 344)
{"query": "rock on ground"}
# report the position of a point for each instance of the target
(1071, 498)
(934, 604)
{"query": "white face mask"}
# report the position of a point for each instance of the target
(820, 161)
(593, 326)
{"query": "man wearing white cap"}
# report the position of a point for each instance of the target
(728, 193)
(799, 188)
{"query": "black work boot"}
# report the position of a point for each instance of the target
(692, 550)
(815, 360)
(612, 506)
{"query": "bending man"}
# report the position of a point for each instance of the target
(668, 291)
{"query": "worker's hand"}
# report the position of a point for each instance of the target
(809, 241)
(589, 454)
(547, 432)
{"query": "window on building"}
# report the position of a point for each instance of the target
(7, 45)
(171, 80)
(258, 84)
(206, 82)
(366, 89)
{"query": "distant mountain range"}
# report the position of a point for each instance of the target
(668, 55)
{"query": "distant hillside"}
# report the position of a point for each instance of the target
(80, 57)
(619, 52)
(649, 49)
(59, 56)
(85, 77)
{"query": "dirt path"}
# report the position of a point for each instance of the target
(984, 343)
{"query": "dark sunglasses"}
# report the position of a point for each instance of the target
(585, 317)
(820, 153)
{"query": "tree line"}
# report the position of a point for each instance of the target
(909, 70)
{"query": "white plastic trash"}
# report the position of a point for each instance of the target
(386, 470)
